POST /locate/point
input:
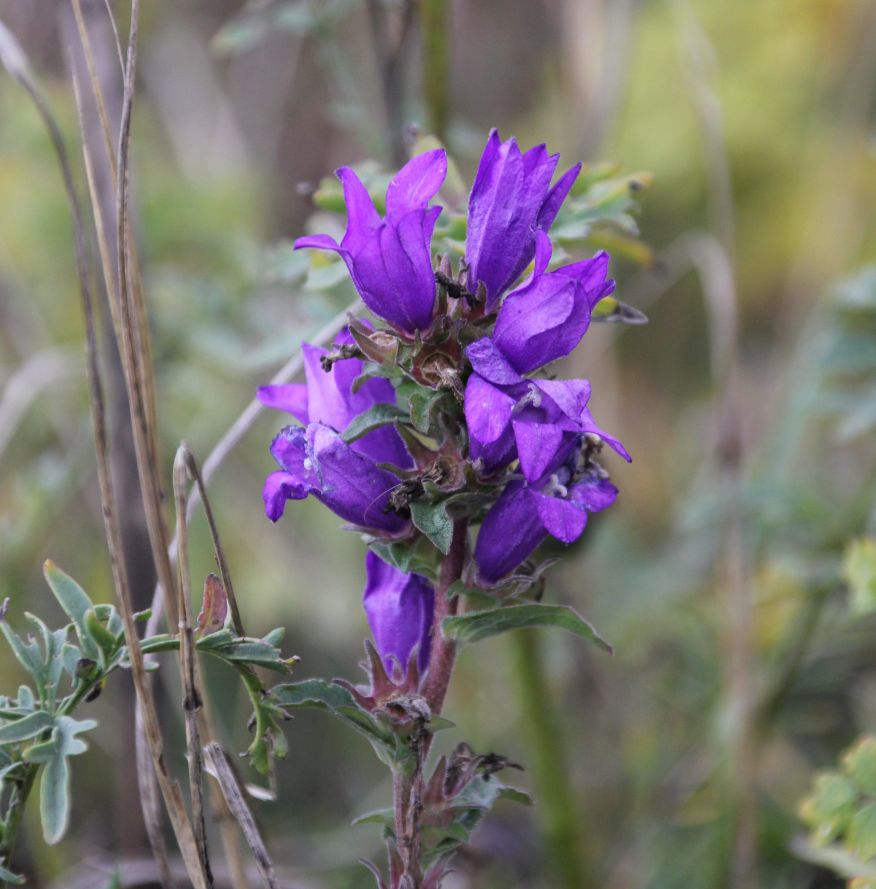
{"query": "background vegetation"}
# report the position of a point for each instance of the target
(727, 576)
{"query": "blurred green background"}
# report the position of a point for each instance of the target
(744, 652)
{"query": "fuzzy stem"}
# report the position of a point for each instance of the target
(444, 650)
(561, 818)
(14, 811)
(407, 787)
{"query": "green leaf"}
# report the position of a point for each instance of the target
(384, 817)
(75, 602)
(102, 637)
(55, 798)
(55, 778)
(7, 876)
(244, 650)
(337, 701)
(27, 653)
(29, 727)
(859, 573)
(477, 625)
(830, 807)
(423, 404)
(432, 519)
(376, 416)
(862, 833)
(859, 764)
(418, 557)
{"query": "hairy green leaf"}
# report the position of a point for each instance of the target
(28, 727)
(432, 519)
(477, 625)
(376, 416)
(75, 602)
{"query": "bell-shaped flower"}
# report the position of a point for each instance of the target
(317, 461)
(538, 422)
(390, 259)
(525, 515)
(545, 319)
(511, 199)
(399, 608)
(327, 397)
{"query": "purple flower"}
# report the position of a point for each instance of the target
(390, 260)
(328, 398)
(399, 608)
(511, 199)
(546, 318)
(524, 515)
(317, 461)
(538, 421)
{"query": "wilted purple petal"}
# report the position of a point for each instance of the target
(399, 608)
(319, 462)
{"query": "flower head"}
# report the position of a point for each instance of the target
(317, 461)
(545, 319)
(511, 199)
(390, 259)
(328, 397)
(526, 514)
(399, 608)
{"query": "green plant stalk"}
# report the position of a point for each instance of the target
(436, 64)
(556, 802)
(14, 812)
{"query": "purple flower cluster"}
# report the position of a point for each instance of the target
(470, 349)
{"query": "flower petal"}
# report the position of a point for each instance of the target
(594, 494)
(416, 183)
(346, 481)
(362, 217)
(588, 425)
(563, 519)
(280, 487)
(511, 530)
(490, 363)
(488, 416)
(399, 608)
(393, 272)
(556, 196)
(540, 445)
(318, 242)
(291, 398)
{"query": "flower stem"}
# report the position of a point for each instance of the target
(562, 824)
(14, 811)
(407, 786)
(444, 650)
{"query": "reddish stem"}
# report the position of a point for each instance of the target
(408, 789)
(443, 649)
